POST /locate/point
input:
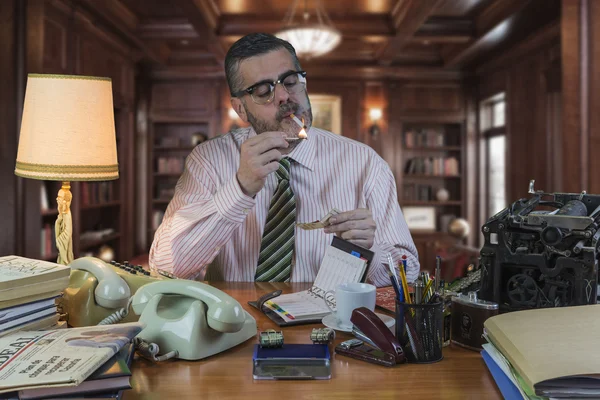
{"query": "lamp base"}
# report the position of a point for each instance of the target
(64, 225)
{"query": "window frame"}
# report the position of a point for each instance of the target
(487, 132)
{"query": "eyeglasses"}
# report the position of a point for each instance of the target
(263, 92)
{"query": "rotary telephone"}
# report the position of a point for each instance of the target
(184, 319)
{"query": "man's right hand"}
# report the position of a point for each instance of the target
(259, 157)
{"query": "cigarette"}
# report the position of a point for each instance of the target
(297, 120)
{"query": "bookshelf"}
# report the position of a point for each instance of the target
(98, 208)
(432, 162)
(171, 141)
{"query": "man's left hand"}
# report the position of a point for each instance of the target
(356, 226)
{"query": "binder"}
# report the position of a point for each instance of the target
(318, 292)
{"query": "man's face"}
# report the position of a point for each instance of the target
(273, 116)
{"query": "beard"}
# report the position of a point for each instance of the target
(281, 122)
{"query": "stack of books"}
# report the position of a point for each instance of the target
(86, 362)
(28, 290)
(545, 353)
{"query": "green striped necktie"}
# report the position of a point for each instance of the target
(277, 246)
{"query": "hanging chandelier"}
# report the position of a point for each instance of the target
(310, 39)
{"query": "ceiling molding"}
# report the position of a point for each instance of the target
(350, 26)
(407, 17)
(121, 20)
(513, 22)
(531, 43)
(321, 71)
(204, 17)
(178, 28)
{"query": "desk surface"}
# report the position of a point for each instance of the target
(461, 374)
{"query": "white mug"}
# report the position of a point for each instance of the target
(349, 296)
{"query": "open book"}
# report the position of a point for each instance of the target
(552, 349)
(344, 262)
(61, 357)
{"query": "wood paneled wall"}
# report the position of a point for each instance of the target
(525, 80)
(581, 99)
(42, 36)
(8, 111)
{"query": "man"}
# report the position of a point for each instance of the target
(240, 195)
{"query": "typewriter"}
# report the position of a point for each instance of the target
(542, 252)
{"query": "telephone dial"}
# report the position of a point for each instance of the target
(184, 319)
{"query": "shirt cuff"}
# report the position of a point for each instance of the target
(231, 202)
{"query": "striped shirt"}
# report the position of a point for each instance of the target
(212, 227)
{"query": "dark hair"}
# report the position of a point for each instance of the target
(254, 44)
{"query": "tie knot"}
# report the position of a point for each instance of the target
(283, 172)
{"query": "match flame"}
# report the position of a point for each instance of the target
(302, 134)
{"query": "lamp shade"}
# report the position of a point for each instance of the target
(68, 129)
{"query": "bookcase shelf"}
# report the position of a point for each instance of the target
(115, 203)
(432, 168)
(88, 244)
(171, 140)
(434, 148)
(49, 212)
(173, 148)
(433, 203)
(426, 176)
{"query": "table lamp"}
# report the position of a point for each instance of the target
(67, 134)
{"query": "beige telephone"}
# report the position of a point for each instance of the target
(97, 289)
(191, 320)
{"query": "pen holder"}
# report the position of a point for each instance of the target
(419, 330)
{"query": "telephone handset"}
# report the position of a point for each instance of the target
(112, 291)
(97, 289)
(191, 319)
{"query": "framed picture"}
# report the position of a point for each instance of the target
(419, 218)
(327, 112)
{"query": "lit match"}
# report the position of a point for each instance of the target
(302, 134)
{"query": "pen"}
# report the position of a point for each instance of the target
(393, 276)
(418, 291)
(438, 272)
(427, 292)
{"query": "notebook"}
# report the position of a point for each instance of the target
(552, 349)
(343, 262)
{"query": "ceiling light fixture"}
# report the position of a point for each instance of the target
(310, 39)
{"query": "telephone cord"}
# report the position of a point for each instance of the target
(150, 350)
(118, 315)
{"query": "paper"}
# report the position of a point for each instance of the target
(321, 223)
(547, 344)
(337, 267)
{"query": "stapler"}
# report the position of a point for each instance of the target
(374, 341)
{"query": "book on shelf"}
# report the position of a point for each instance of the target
(44, 203)
(47, 241)
(435, 166)
(96, 193)
(551, 349)
(425, 137)
(110, 379)
(59, 357)
(343, 262)
(157, 217)
(170, 165)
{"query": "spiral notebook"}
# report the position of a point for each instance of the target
(343, 262)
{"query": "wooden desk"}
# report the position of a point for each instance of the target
(462, 374)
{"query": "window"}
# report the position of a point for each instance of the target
(493, 156)
(495, 172)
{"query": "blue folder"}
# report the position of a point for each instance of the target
(507, 388)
